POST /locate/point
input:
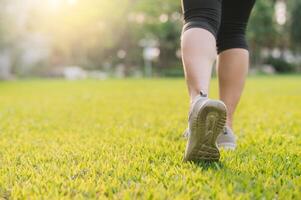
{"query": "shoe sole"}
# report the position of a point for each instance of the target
(209, 122)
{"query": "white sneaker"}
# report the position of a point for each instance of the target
(206, 121)
(226, 139)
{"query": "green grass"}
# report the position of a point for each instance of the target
(123, 139)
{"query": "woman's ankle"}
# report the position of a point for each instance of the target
(196, 93)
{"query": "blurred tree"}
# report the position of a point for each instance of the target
(262, 31)
(163, 22)
(8, 37)
(295, 28)
(83, 33)
(7, 29)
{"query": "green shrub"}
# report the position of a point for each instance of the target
(172, 72)
(280, 65)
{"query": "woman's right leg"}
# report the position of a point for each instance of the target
(207, 117)
(199, 53)
(202, 20)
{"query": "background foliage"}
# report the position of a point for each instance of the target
(93, 34)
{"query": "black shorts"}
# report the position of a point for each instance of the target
(225, 19)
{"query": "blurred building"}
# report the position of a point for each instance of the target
(25, 49)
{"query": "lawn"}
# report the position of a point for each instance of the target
(122, 139)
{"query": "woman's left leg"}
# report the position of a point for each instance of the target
(233, 59)
(232, 69)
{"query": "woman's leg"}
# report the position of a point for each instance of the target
(198, 55)
(233, 61)
(202, 19)
(207, 117)
(232, 69)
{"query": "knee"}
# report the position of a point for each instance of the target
(204, 14)
(232, 35)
